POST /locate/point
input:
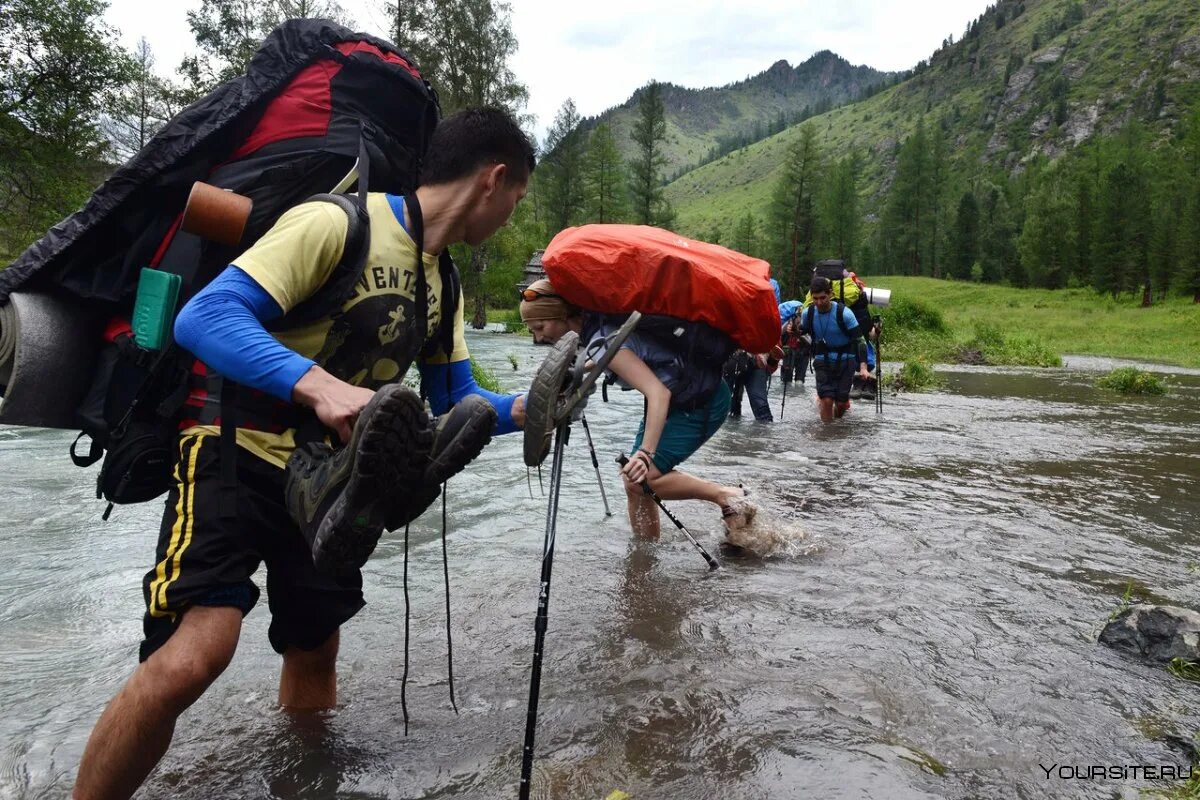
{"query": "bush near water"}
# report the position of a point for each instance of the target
(914, 376)
(1131, 380)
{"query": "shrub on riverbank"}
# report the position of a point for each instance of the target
(914, 376)
(1131, 380)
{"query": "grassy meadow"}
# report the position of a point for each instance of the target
(1032, 322)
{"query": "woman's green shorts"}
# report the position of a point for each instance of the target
(685, 431)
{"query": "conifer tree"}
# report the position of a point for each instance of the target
(1046, 244)
(564, 167)
(1167, 208)
(604, 177)
(745, 235)
(997, 248)
(1188, 277)
(794, 208)
(904, 223)
(138, 110)
(649, 134)
(964, 237)
(838, 217)
(1084, 209)
(1109, 251)
(935, 201)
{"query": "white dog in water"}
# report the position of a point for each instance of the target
(757, 533)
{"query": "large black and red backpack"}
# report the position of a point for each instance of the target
(317, 101)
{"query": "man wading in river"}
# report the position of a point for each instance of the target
(838, 348)
(328, 506)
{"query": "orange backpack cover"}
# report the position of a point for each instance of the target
(617, 269)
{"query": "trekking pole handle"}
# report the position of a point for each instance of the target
(623, 460)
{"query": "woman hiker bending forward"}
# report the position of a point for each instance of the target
(670, 430)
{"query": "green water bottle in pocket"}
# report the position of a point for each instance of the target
(154, 308)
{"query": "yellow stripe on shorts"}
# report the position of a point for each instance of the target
(181, 530)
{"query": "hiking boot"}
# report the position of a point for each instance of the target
(541, 404)
(341, 498)
(459, 436)
(870, 388)
(856, 388)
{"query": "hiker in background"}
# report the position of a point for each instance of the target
(865, 388)
(673, 427)
(329, 505)
(796, 352)
(734, 374)
(838, 347)
(748, 372)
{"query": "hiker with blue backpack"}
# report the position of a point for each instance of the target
(311, 509)
(839, 349)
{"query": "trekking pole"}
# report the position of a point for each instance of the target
(596, 464)
(783, 407)
(581, 383)
(879, 371)
(543, 607)
(712, 562)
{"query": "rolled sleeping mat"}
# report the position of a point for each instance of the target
(216, 214)
(48, 348)
(878, 297)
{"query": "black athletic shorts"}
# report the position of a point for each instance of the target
(834, 380)
(206, 560)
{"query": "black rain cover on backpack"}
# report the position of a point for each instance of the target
(316, 99)
(289, 128)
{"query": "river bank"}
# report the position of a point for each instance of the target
(1031, 327)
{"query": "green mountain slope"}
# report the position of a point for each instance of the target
(700, 119)
(1038, 78)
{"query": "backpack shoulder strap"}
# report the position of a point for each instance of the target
(839, 312)
(451, 289)
(339, 287)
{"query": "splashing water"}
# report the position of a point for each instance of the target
(759, 532)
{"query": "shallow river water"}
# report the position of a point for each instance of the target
(935, 638)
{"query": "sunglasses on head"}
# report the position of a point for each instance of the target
(533, 294)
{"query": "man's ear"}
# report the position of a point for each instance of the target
(493, 177)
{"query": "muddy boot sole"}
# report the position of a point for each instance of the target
(391, 453)
(545, 391)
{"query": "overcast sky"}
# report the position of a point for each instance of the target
(599, 53)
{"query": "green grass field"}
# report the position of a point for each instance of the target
(1066, 321)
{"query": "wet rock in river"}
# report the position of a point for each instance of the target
(1159, 633)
